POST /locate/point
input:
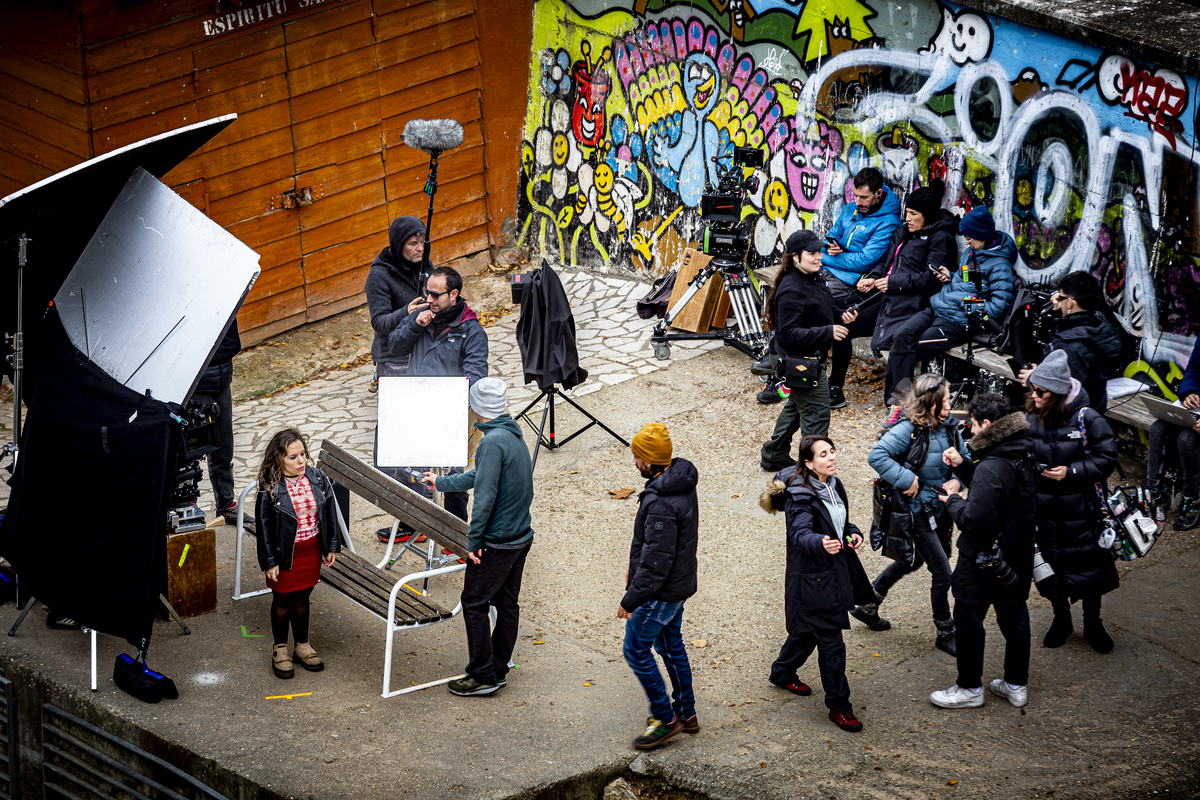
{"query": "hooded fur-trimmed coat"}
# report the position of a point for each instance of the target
(819, 588)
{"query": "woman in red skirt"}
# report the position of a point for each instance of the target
(297, 532)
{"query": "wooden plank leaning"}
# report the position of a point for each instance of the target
(390, 495)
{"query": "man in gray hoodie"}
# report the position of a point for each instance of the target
(498, 539)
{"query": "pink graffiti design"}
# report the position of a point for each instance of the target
(811, 154)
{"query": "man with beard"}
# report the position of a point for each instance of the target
(660, 577)
(855, 244)
(442, 337)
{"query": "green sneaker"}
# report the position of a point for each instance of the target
(657, 733)
(469, 687)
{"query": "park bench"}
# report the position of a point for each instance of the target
(371, 586)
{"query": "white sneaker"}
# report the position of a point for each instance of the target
(1018, 695)
(954, 697)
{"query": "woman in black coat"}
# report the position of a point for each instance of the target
(824, 577)
(1078, 446)
(800, 312)
(926, 239)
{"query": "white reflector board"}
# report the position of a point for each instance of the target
(152, 292)
(423, 422)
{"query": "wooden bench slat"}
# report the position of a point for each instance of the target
(374, 581)
(390, 495)
(344, 581)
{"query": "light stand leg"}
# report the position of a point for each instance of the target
(175, 616)
(24, 613)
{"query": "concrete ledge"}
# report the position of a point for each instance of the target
(1166, 33)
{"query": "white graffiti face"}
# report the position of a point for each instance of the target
(964, 37)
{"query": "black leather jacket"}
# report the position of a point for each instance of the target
(276, 528)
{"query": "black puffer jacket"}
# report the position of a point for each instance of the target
(276, 528)
(1068, 523)
(1093, 348)
(1001, 507)
(803, 310)
(819, 588)
(662, 558)
(910, 282)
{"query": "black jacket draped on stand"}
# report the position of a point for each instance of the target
(546, 333)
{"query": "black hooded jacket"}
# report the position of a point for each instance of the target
(219, 372)
(1068, 525)
(803, 310)
(819, 588)
(1093, 348)
(546, 333)
(662, 558)
(910, 281)
(1001, 507)
(392, 284)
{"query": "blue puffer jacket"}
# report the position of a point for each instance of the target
(888, 455)
(996, 264)
(865, 237)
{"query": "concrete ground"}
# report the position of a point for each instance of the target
(1120, 725)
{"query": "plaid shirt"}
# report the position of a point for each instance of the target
(305, 505)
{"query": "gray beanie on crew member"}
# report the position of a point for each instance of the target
(489, 397)
(1053, 374)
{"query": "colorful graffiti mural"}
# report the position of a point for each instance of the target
(1088, 158)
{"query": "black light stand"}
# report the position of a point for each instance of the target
(551, 442)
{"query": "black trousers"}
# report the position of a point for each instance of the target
(845, 296)
(1013, 618)
(907, 349)
(496, 581)
(831, 660)
(220, 461)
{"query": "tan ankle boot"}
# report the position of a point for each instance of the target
(308, 658)
(281, 663)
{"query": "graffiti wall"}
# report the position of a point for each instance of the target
(1086, 157)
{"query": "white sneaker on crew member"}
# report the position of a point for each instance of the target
(1017, 695)
(957, 697)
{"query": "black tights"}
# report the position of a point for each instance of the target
(293, 607)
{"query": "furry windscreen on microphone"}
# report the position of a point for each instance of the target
(433, 135)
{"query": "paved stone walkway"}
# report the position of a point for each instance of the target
(614, 346)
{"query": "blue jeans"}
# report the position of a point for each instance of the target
(658, 624)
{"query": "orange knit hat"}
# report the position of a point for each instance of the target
(652, 444)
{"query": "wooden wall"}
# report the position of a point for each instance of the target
(322, 89)
(43, 108)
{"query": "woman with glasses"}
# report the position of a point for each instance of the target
(1079, 452)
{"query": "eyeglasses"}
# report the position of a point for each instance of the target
(435, 295)
(1039, 392)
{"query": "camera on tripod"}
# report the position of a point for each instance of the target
(196, 429)
(721, 206)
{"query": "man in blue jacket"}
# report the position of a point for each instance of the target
(1187, 443)
(989, 257)
(858, 241)
(498, 539)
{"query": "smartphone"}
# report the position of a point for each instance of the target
(829, 240)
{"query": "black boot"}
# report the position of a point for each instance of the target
(1093, 626)
(770, 394)
(945, 636)
(1189, 514)
(1061, 628)
(868, 615)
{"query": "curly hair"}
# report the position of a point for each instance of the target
(924, 402)
(271, 471)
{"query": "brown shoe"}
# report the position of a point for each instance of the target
(281, 663)
(308, 658)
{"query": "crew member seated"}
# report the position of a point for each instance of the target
(1092, 344)
(990, 254)
(1186, 442)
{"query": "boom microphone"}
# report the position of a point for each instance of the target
(433, 135)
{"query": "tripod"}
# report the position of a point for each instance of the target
(551, 442)
(742, 287)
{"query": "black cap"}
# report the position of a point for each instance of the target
(803, 240)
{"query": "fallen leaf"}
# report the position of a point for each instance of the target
(535, 641)
(952, 782)
(620, 494)
(700, 642)
(867, 747)
(879, 768)
(573, 472)
(762, 764)
(736, 496)
(587, 684)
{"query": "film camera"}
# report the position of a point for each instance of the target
(196, 432)
(721, 206)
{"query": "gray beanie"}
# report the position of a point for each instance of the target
(489, 397)
(1053, 374)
